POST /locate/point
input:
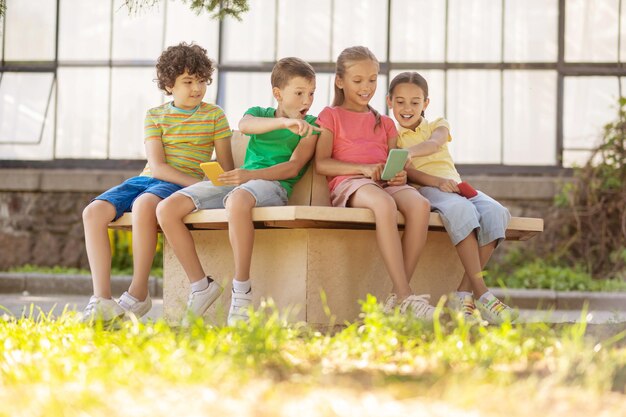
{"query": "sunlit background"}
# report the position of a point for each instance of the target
(524, 83)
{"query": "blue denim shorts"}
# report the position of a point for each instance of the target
(208, 196)
(461, 216)
(124, 195)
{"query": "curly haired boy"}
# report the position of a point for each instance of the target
(178, 136)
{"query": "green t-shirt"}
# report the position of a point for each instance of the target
(272, 148)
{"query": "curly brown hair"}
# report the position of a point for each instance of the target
(177, 59)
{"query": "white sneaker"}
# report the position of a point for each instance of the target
(390, 303)
(464, 306)
(495, 311)
(200, 301)
(239, 307)
(104, 309)
(130, 305)
(418, 305)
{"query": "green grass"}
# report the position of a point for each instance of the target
(381, 365)
(155, 271)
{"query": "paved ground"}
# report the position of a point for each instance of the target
(17, 304)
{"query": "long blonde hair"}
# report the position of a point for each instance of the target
(345, 58)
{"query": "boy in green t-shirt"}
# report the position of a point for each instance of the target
(282, 141)
(178, 135)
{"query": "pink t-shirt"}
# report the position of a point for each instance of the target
(354, 137)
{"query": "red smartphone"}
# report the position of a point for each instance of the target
(467, 190)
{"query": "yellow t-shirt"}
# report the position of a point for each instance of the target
(439, 163)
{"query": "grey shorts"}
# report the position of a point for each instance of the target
(461, 216)
(208, 196)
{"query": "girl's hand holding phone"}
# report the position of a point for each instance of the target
(399, 179)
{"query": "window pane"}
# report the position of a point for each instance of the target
(591, 30)
(590, 103)
(575, 158)
(529, 117)
(132, 93)
(474, 30)
(85, 30)
(30, 35)
(83, 113)
(360, 22)
(531, 30)
(418, 30)
(24, 99)
(137, 36)
(252, 39)
(324, 91)
(33, 152)
(245, 90)
(182, 24)
(304, 29)
(474, 115)
(436, 91)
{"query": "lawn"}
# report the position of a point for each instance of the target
(381, 365)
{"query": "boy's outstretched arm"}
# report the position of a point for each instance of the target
(438, 138)
(251, 125)
(301, 155)
(422, 178)
(161, 169)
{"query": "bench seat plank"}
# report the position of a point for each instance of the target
(320, 217)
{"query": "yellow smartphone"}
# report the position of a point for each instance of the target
(212, 170)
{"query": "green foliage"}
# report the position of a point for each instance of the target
(587, 226)
(218, 9)
(122, 253)
(43, 360)
(3, 8)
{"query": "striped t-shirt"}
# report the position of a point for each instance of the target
(187, 136)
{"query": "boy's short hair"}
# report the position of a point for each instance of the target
(176, 59)
(288, 68)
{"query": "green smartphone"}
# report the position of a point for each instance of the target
(395, 163)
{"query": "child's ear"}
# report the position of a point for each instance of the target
(277, 93)
(339, 82)
(426, 103)
(389, 103)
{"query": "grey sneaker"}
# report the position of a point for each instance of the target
(495, 311)
(138, 308)
(200, 301)
(390, 303)
(419, 306)
(104, 309)
(239, 307)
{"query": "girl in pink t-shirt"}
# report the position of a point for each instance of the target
(351, 151)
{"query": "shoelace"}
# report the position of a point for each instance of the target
(418, 304)
(496, 306)
(468, 307)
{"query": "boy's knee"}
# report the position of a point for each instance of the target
(98, 211)
(164, 211)
(240, 201)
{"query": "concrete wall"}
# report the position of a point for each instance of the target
(40, 210)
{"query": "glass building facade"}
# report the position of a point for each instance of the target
(527, 85)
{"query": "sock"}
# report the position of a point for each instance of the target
(241, 286)
(200, 285)
(486, 297)
(462, 294)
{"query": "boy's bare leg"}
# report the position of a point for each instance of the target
(170, 213)
(241, 231)
(387, 236)
(96, 218)
(144, 243)
(416, 212)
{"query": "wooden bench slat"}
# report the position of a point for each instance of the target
(319, 217)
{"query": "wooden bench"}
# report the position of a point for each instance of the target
(308, 247)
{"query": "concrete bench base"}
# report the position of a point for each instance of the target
(294, 266)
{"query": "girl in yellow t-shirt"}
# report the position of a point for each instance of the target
(476, 224)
